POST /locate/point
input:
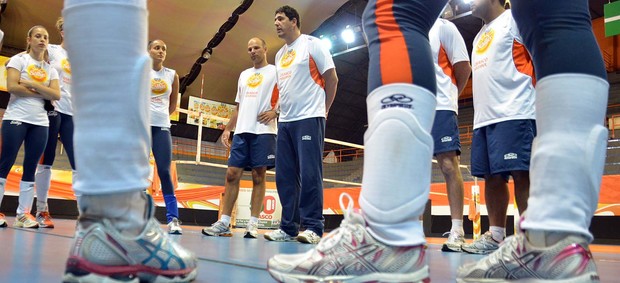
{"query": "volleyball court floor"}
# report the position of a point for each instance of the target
(38, 255)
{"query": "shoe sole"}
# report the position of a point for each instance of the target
(280, 240)
(477, 252)
(82, 271)
(3, 224)
(446, 248)
(20, 225)
(249, 235)
(420, 276)
(175, 232)
(306, 240)
(217, 234)
(46, 226)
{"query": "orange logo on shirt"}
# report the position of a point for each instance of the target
(66, 66)
(36, 73)
(288, 59)
(255, 80)
(158, 86)
(485, 41)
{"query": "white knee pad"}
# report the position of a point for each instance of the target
(106, 42)
(568, 155)
(397, 162)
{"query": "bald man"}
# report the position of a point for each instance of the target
(254, 140)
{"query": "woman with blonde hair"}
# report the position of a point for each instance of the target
(31, 80)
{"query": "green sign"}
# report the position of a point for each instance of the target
(612, 19)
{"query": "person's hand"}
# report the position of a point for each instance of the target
(267, 116)
(226, 138)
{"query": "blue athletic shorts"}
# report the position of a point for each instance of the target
(502, 147)
(446, 132)
(253, 151)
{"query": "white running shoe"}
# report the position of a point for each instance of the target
(279, 235)
(455, 241)
(569, 260)
(101, 253)
(483, 245)
(308, 237)
(174, 227)
(25, 220)
(218, 229)
(251, 231)
(351, 254)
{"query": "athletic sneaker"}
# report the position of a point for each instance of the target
(25, 220)
(101, 253)
(568, 260)
(351, 254)
(279, 235)
(44, 219)
(251, 231)
(218, 229)
(455, 241)
(483, 245)
(174, 227)
(2, 220)
(308, 237)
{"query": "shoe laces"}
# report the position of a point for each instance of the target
(175, 222)
(347, 226)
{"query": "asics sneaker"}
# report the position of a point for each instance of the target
(25, 220)
(308, 237)
(251, 231)
(279, 235)
(351, 254)
(218, 229)
(101, 253)
(174, 227)
(44, 219)
(2, 220)
(569, 260)
(455, 241)
(483, 245)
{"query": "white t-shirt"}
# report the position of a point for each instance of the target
(302, 88)
(60, 62)
(256, 92)
(161, 88)
(29, 109)
(448, 47)
(503, 74)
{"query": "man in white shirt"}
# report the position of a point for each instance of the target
(307, 81)
(504, 125)
(452, 70)
(254, 142)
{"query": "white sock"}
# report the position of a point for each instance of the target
(113, 84)
(253, 219)
(42, 181)
(128, 212)
(499, 233)
(2, 185)
(457, 226)
(568, 154)
(26, 196)
(397, 163)
(225, 219)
